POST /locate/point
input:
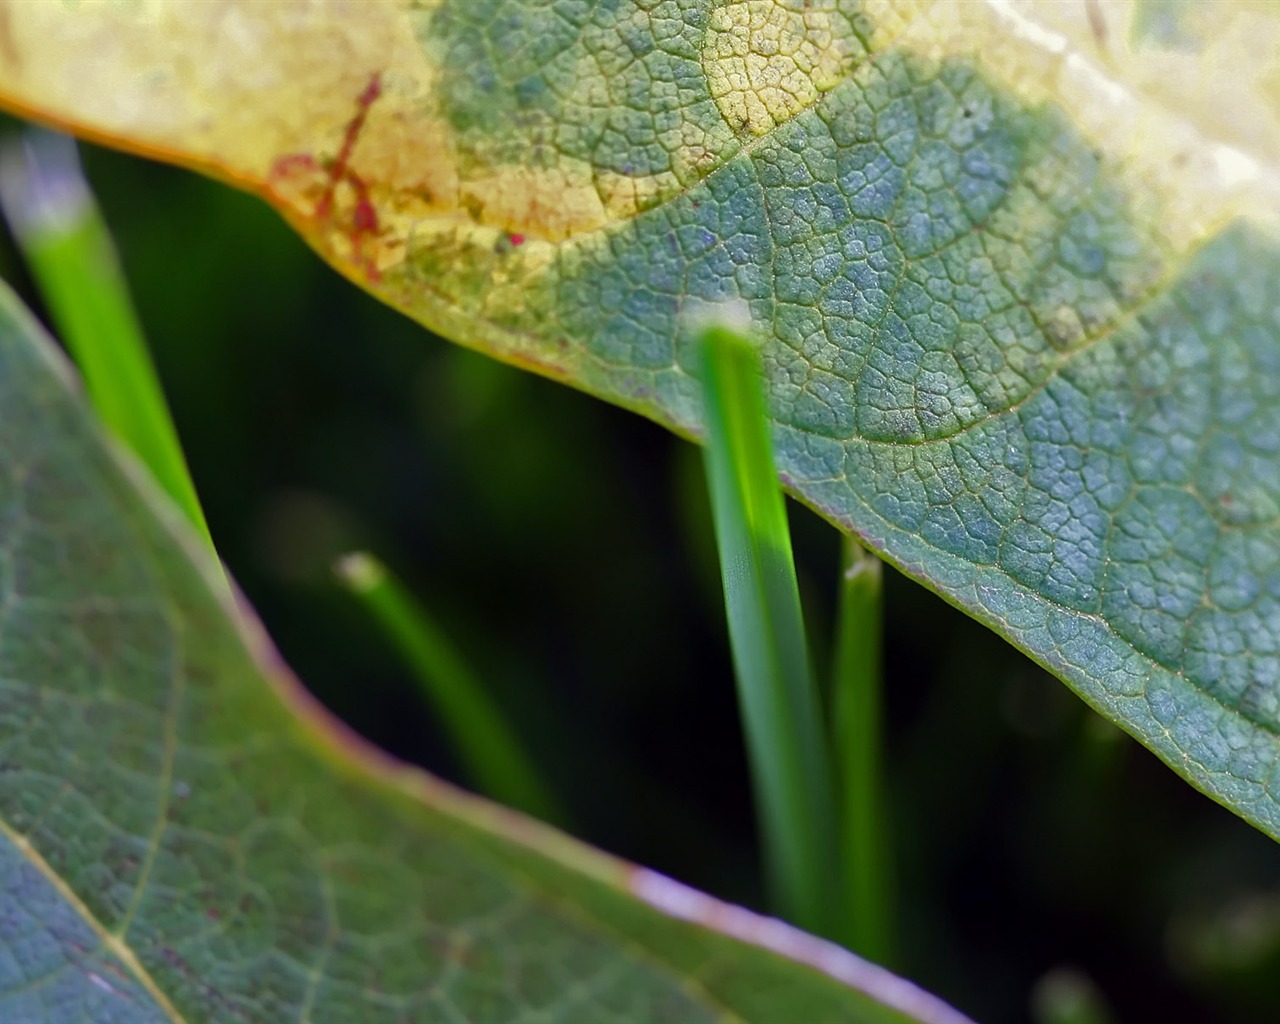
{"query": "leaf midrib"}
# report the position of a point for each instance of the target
(111, 942)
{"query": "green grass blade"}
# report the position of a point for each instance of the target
(786, 740)
(857, 731)
(488, 748)
(65, 241)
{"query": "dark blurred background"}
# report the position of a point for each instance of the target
(1045, 861)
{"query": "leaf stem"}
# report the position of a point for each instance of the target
(786, 740)
(857, 733)
(488, 748)
(56, 223)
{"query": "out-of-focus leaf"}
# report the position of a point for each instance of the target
(1014, 263)
(183, 836)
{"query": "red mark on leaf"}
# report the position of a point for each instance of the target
(340, 171)
(364, 216)
(516, 239)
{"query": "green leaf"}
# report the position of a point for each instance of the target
(185, 836)
(1012, 261)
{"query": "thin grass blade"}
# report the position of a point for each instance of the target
(857, 733)
(490, 752)
(786, 739)
(56, 222)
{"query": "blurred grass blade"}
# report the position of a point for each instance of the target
(857, 730)
(49, 207)
(1067, 996)
(489, 750)
(786, 741)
